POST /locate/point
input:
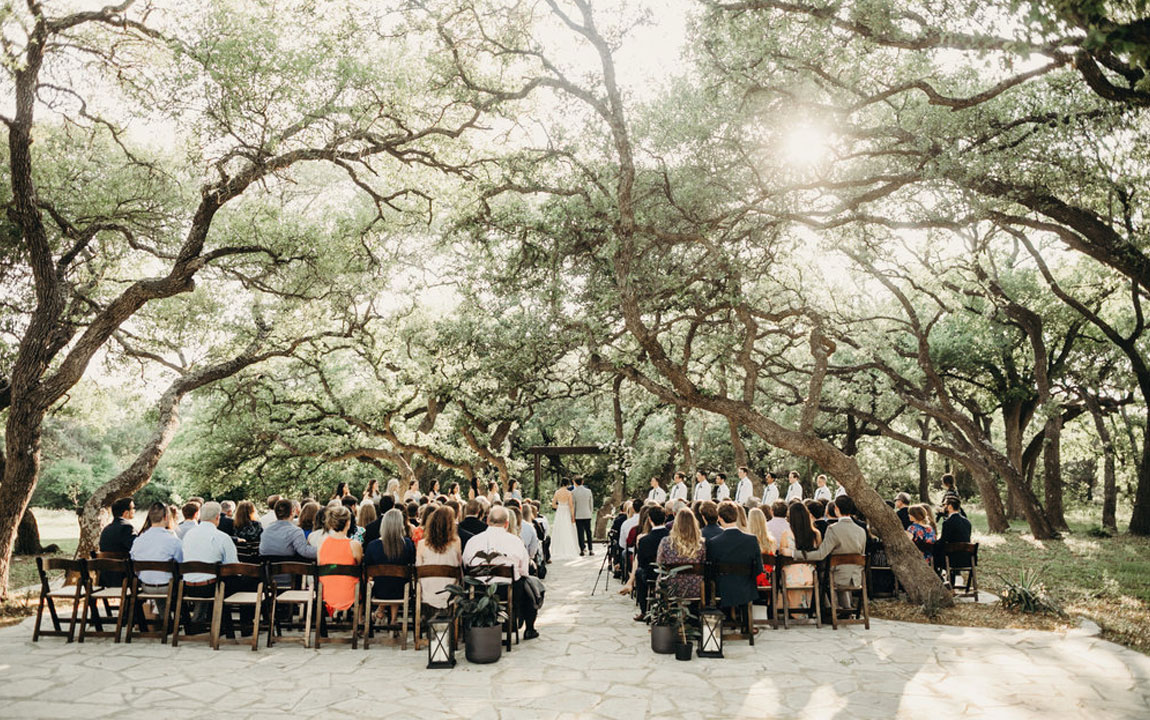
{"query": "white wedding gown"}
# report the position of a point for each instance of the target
(564, 542)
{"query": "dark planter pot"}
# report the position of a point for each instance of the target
(663, 639)
(683, 650)
(484, 644)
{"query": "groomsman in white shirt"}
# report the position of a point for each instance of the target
(744, 489)
(702, 487)
(722, 489)
(770, 489)
(679, 487)
(657, 495)
(795, 489)
(822, 492)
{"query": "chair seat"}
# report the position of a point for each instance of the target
(379, 601)
(242, 598)
(65, 592)
(108, 592)
(152, 596)
(300, 596)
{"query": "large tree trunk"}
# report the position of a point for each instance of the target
(28, 537)
(21, 469)
(1052, 473)
(740, 448)
(1140, 518)
(923, 465)
(1109, 481)
(1022, 494)
(991, 501)
(617, 415)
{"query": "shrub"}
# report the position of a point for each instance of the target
(1028, 595)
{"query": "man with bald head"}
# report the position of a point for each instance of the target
(497, 546)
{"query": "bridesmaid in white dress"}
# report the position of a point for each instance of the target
(564, 543)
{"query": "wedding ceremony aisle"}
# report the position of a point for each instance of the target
(592, 660)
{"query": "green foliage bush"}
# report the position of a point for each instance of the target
(1028, 594)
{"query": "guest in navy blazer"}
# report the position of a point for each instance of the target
(732, 546)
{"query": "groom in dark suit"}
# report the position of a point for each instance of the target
(732, 546)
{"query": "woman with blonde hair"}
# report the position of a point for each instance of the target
(393, 490)
(366, 516)
(921, 529)
(757, 526)
(684, 545)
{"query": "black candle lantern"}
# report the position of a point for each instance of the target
(711, 637)
(441, 642)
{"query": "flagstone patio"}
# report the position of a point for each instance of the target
(593, 661)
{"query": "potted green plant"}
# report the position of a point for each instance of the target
(476, 605)
(686, 630)
(663, 612)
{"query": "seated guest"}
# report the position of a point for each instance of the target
(319, 533)
(921, 530)
(191, 513)
(283, 538)
(367, 515)
(844, 537)
(117, 537)
(709, 512)
(338, 549)
(247, 526)
(528, 534)
(351, 502)
(371, 530)
(757, 526)
(732, 546)
(205, 543)
(901, 508)
(227, 517)
(799, 536)
(471, 525)
(817, 510)
(777, 520)
(440, 546)
(631, 508)
(392, 547)
(508, 549)
(157, 544)
(307, 517)
(646, 551)
(684, 544)
(955, 529)
(270, 516)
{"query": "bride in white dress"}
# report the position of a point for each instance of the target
(564, 543)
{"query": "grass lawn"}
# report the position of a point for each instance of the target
(1104, 579)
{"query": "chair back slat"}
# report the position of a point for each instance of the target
(199, 567)
(954, 547)
(110, 555)
(392, 571)
(291, 568)
(837, 560)
(250, 570)
(734, 569)
(330, 569)
(439, 571)
(492, 571)
(168, 566)
(67, 564)
(108, 565)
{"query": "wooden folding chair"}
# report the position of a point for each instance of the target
(370, 573)
(299, 590)
(453, 572)
(953, 570)
(767, 596)
(99, 578)
(76, 593)
(862, 612)
(504, 591)
(184, 619)
(114, 568)
(137, 597)
(240, 598)
(718, 570)
(321, 620)
(815, 610)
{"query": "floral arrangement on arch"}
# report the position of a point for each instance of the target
(620, 456)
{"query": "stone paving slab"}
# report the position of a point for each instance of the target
(593, 661)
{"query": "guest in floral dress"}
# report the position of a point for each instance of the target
(684, 545)
(921, 530)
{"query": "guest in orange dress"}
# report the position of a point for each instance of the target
(337, 549)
